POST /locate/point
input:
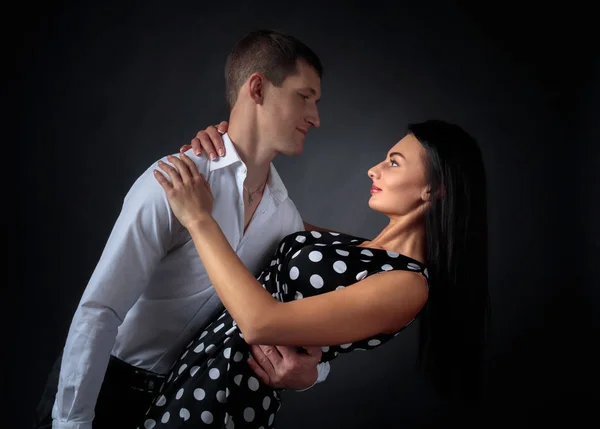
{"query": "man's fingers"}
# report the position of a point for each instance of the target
(272, 354)
(260, 373)
(286, 351)
(262, 360)
(292, 352)
(315, 351)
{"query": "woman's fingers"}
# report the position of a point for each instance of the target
(193, 168)
(172, 172)
(182, 168)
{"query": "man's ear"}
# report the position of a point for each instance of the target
(256, 87)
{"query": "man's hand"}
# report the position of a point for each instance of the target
(283, 367)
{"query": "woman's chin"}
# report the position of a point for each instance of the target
(373, 205)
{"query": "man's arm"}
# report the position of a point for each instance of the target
(141, 236)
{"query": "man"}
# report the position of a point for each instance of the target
(150, 293)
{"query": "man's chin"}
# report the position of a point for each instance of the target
(294, 151)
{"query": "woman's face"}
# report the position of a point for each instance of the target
(399, 182)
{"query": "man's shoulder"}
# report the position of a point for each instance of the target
(202, 162)
(290, 216)
(288, 206)
(146, 188)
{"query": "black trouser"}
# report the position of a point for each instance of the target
(124, 397)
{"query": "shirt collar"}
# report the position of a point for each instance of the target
(275, 184)
(231, 155)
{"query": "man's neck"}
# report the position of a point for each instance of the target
(243, 133)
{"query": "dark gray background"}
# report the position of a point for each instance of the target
(103, 90)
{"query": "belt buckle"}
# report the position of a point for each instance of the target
(147, 382)
(141, 382)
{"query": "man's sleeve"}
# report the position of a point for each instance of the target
(144, 231)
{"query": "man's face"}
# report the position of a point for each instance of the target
(291, 109)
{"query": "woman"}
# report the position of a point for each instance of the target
(431, 260)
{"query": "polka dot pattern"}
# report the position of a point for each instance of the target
(199, 394)
(206, 417)
(212, 386)
(316, 281)
(340, 267)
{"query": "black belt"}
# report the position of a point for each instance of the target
(135, 378)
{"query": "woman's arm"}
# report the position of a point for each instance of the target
(383, 303)
(309, 227)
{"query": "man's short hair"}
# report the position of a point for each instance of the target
(269, 52)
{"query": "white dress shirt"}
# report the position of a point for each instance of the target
(150, 292)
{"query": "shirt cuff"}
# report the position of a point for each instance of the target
(70, 425)
(323, 369)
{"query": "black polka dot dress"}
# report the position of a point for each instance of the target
(211, 384)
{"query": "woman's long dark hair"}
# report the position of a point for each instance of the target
(454, 322)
